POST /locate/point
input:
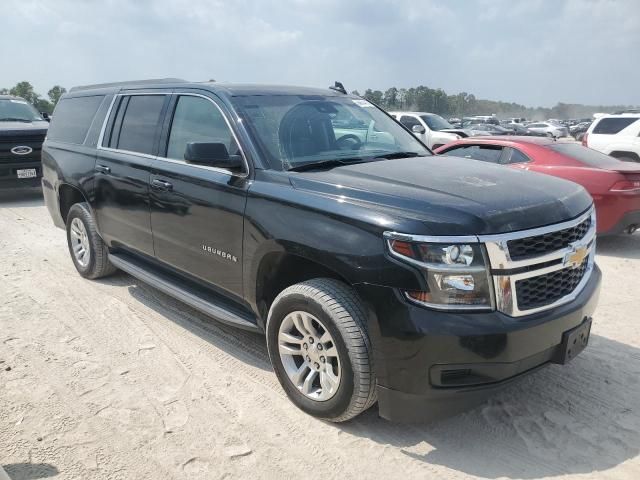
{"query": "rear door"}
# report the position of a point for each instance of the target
(127, 147)
(197, 211)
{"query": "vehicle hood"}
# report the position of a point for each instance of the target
(449, 196)
(28, 128)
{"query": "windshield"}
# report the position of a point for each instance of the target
(16, 110)
(294, 130)
(585, 155)
(436, 122)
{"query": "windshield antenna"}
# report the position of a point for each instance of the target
(338, 87)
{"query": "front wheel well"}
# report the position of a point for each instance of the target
(623, 154)
(68, 197)
(278, 271)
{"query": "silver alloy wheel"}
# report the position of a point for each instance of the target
(309, 356)
(80, 242)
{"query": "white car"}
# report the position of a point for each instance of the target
(550, 128)
(427, 127)
(615, 135)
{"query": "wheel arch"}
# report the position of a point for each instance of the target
(68, 195)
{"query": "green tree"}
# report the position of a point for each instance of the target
(390, 98)
(55, 93)
(374, 96)
(26, 91)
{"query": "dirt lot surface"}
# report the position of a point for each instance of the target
(111, 379)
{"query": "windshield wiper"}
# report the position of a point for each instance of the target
(326, 164)
(392, 155)
(9, 119)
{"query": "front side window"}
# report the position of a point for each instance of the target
(17, 110)
(297, 130)
(140, 123)
(409, 121)
(197, 119)
(436, 122)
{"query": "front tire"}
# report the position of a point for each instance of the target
(320, 349)
(88, 252)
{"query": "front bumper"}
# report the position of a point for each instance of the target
(430, 364)
(9, 177)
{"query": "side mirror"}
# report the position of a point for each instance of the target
(212, 155)
(46, 116)
(418, 129)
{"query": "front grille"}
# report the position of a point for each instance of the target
(8, 142)
(546, 289)
(529, 247)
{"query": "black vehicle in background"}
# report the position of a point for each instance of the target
(377, 271)
(22, 131)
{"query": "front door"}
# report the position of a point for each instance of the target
(123, 167)
(197, 212)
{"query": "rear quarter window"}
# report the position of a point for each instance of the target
(611, 126)
(72, 119)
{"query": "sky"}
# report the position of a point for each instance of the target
(533, 52)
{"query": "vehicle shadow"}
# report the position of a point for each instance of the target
(249, 347)
(30, 471)
(622, 246)
(580, 418)
(24, 197)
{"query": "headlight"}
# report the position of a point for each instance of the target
(456, 274)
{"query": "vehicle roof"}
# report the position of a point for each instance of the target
(228, 89)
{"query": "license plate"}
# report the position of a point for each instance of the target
(574, 341)
(26, 173)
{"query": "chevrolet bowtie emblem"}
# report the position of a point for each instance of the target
(575, 258)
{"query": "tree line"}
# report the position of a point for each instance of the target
(425, 99)
(26, 91)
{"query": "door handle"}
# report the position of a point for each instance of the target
(161, 185)
(102, 169)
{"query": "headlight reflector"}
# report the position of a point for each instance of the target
(456, 274)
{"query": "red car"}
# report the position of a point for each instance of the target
(613, 184)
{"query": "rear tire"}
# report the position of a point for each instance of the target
(89, 253)
(318, 318)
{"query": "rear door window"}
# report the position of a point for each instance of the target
(72, 119)
(140, 123)
(611, 126)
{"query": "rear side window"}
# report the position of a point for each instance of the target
(611, 126)
(72, 119)
(140, 123)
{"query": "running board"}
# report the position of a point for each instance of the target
(204, 302)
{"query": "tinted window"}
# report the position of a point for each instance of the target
(484, 153)
(516, 156)
(198, 120)
(140, 123)
(72, 119)
(436, 122)
(610, 126)
(408, 121)
(585, 155)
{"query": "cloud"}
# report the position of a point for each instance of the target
(529, 51)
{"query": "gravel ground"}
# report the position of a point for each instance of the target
(111, 379)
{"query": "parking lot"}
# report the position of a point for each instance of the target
(112, 379)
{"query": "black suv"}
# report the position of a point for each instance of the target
(22, 131)
(376, 270)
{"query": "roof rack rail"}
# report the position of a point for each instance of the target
(127, 83)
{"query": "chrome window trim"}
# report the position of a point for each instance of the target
(171, 160)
